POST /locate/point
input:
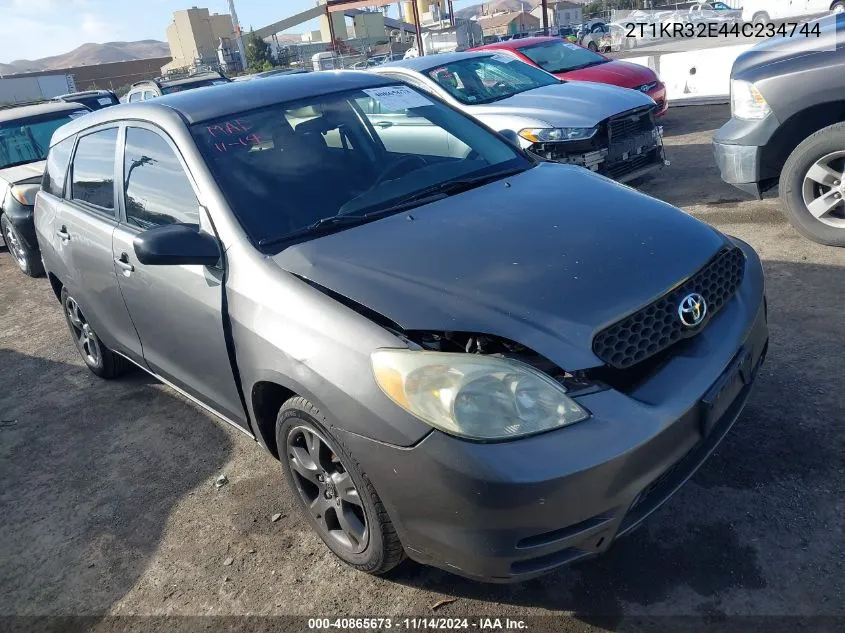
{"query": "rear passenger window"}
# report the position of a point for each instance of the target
(149, 94)
(157, 189)
(56, 170)
(135, 96)
(93, 169)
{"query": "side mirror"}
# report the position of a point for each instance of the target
(511, 136)
(176, 245)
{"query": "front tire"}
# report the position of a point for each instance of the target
(838, 7)
(97, 357)
(812, 186)
(27, 259)
(337, 499)
(593, 47)
(760, 18)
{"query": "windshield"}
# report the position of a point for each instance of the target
(203, 83)
(285, 167)
(488, 79)
(28, 140)
(560, 57)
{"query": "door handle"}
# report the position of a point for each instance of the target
(123, 263)
(63, 234)
(383, 124)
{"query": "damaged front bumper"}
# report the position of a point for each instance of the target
(624, 160)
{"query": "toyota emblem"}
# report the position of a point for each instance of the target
(692, 310)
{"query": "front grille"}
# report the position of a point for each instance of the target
(630, 123)
(656, 327)
(625, 167)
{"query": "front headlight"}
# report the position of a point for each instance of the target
(746, 101)
(474, 396)
(25, 194)
(558, 134)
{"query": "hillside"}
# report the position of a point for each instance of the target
(496, 6)
(91, 54)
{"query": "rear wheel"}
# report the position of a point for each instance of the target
(593, 47)
(27, 259)
(336, 497)
(760, 18)
(812, 186)
(97, 357)
(838, 7)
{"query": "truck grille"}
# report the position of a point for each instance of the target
(657, 326)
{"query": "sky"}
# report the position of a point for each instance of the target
(31, 29)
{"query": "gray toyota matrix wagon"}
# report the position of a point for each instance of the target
(491, 363)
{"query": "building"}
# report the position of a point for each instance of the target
(509, 23)
(562, 13)
(368, 26)
(195, 36)
(109, 76)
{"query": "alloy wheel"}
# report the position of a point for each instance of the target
(16, 248)
(824, 189)
(327, 489)
(85, 338)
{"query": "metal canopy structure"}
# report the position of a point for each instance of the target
(332, 6)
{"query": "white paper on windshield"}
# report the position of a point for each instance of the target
(504, 59)
(104, 101)
(572, 46)
(77, 114)
(397, 98)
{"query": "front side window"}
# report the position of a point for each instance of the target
(135, 96)
(56, 170)
(28, 140)
(156, 188)
(488, 79)
(285, 167)
(561, 57)
(149, 94)
(93, 169)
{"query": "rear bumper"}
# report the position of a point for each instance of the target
(512, 511)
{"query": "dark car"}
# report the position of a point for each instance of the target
(160, 86)
(787, 127)
(25, 132)
(92, 99)
(452, 359)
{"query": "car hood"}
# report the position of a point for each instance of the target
(524, 261)
(22, 173)
(624, 74)
(778, 49)
(574, 103)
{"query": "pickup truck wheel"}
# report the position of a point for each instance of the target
(97, 357)
(812, 186)
(838, 7)
(336, 497)
(28, 261)
(760, 18)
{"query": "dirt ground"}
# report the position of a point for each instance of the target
(108, 503)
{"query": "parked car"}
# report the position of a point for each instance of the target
(603, 128)
(764, 11)
(715, 12)
(572, 62)
(787, 127)
(591, 36)
(92, 99)
(25, 133)
(450, 358)
(153, 88)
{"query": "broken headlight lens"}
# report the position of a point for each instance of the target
(558, 134)
(474, 396)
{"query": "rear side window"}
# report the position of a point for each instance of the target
(93, 169)
(135, 96)
(149, 94)
(157, 189)
(56, 170)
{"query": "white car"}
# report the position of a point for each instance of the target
(763, 11)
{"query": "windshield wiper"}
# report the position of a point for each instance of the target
(597, 62)
(451, 187)
(322, 225)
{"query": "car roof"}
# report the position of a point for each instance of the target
(196, 106)
(428, 62)
(190, 79)
(48, 107)
(513, 44)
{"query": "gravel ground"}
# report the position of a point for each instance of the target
(108, 503)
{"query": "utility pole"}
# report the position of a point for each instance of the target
(416, 14)
(238, 36)
(545, 6)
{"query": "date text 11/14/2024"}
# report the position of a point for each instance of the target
(711, 30)
(416, 623)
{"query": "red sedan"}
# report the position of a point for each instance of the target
(566, 60)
